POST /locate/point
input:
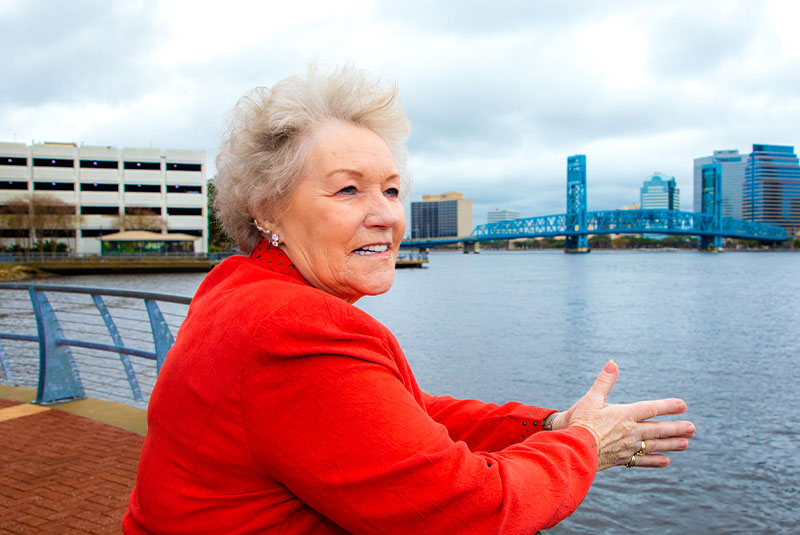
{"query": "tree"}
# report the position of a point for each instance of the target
(600, 241)
(139, 219)
(34, 217)
(218, 240)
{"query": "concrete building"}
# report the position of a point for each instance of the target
(771, 190)
(501, 215)
(660, 193)
(105, 189)
(732, 168)
(441, 215)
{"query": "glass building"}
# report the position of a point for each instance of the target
(660, 193)
(771, 189)
(441, 216)
(731, 167)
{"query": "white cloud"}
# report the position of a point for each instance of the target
(499, 94)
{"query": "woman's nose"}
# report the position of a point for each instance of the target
(381, 212)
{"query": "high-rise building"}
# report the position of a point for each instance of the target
(94, 189)
(771, 189)
(732, 167)
(660, 193)
(501, 215)
(441, 216)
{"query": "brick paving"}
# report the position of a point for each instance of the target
(62, 473)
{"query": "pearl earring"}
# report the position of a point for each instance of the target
(272, 236)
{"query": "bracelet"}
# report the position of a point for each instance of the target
(547, 423)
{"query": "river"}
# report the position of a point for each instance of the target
(721, 331)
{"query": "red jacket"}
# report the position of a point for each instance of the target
(282, 409)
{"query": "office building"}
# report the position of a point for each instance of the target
(660, 193)
(441, 216)
(100, 190)
(771, 190)
(501, 215)
(731, 166)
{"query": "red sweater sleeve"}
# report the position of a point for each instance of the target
(485, 426)
(333, 418)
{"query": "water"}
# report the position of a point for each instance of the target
(721, 331)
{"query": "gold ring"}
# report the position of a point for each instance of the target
(641, 450)
(632, 462)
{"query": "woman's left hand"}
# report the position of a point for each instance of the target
(625, 435)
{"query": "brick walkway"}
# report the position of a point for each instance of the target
(62, 473)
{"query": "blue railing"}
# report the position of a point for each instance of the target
(79, 334)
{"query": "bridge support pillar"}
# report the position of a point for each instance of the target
(576, 220)
(711, 175)
(470, 247)
(711, 243)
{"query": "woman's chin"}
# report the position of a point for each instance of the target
(374, 284)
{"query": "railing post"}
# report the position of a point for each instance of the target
(114, 332)
(161, 335)
(58, 375)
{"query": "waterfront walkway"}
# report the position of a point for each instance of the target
(66, 468)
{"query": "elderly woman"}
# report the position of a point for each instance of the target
(283, 408)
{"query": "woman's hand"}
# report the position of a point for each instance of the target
(623, 434)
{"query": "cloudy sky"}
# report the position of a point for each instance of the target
(499, 93)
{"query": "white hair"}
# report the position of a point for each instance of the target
(270, 133)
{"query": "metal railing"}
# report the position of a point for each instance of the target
(102, 343)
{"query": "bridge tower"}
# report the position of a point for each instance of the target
(576, 205)
(712, 204)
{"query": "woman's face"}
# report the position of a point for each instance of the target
(344, 223)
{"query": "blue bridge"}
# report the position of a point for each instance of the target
(577, 223)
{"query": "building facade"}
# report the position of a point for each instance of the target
(660, 193)
(441, 216)
(501, 215)
(732, 169)
(101, 190)
(771, 189)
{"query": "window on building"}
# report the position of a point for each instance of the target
(99, 164)
(54, 186)
(150, 166)
(175, 188)
(184, 211)
(99, 210)
(142, 188)
(14, 233)
(184, 167)
(8, 160)
(10, 184)
(95, 232)
(53, 162)
(143, 210)
(56, 233)
(190, 232)
(98, 186)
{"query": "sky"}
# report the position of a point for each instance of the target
(499, 93)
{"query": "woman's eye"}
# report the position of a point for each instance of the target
(392, 192)
(349, 190)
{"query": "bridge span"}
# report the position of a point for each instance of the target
(673, 222)
(577, 223)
